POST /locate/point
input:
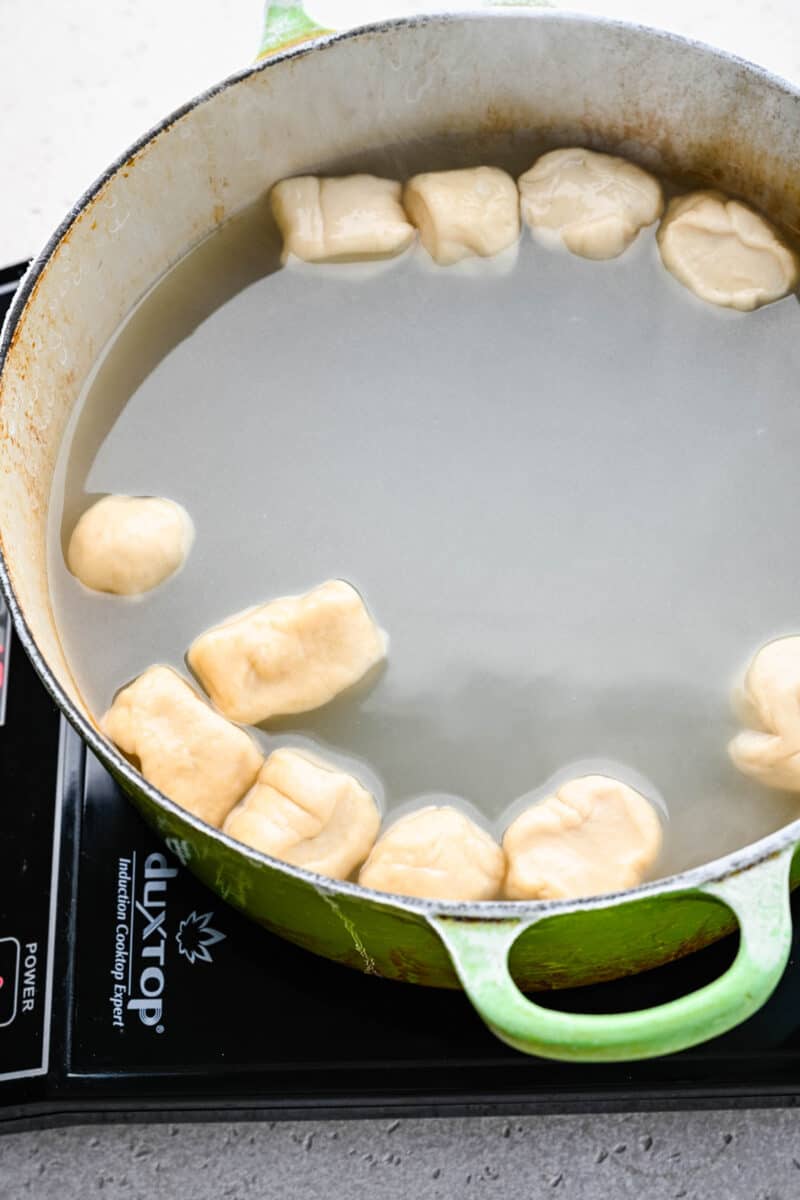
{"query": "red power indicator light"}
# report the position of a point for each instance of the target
(2, 981)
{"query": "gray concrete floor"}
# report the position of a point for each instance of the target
(701, 1156)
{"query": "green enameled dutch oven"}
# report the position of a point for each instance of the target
(319, 96)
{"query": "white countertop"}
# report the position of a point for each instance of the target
(80, 80)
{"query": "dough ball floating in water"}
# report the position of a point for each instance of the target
(474, 211)
(436, 852)
(291, 655)
(596, 202)
(594, 835)
(339, 220)
(129, 544)
(186, 750)
(308, 813)
(725, 253)
(770, 701)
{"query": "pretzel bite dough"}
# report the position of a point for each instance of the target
(289, 656)
(463, 213)
(339, 220)
(436, 852)
(593, 835)
(770, 751)
(596, 202)
(725, 253)
(185, 749)
(129, 544)
(306, 812)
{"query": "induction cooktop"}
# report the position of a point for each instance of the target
(223, 1019)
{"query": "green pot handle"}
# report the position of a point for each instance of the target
(759, 897)
(287, 24)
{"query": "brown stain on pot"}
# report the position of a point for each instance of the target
(694, 159)
(735, 162)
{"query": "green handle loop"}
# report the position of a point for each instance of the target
(759, 897)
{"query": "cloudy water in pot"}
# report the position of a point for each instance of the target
(565, 488)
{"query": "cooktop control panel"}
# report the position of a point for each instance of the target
(30, 841)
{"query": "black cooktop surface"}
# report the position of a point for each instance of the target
(113, 1006)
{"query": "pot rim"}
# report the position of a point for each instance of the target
(692, 879)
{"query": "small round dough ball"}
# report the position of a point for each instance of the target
(459, 214)
(725, 253)
(594, 835)
(436, 852)
(596, 202)
(770, 702)
(129, 544)
(306, 812)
